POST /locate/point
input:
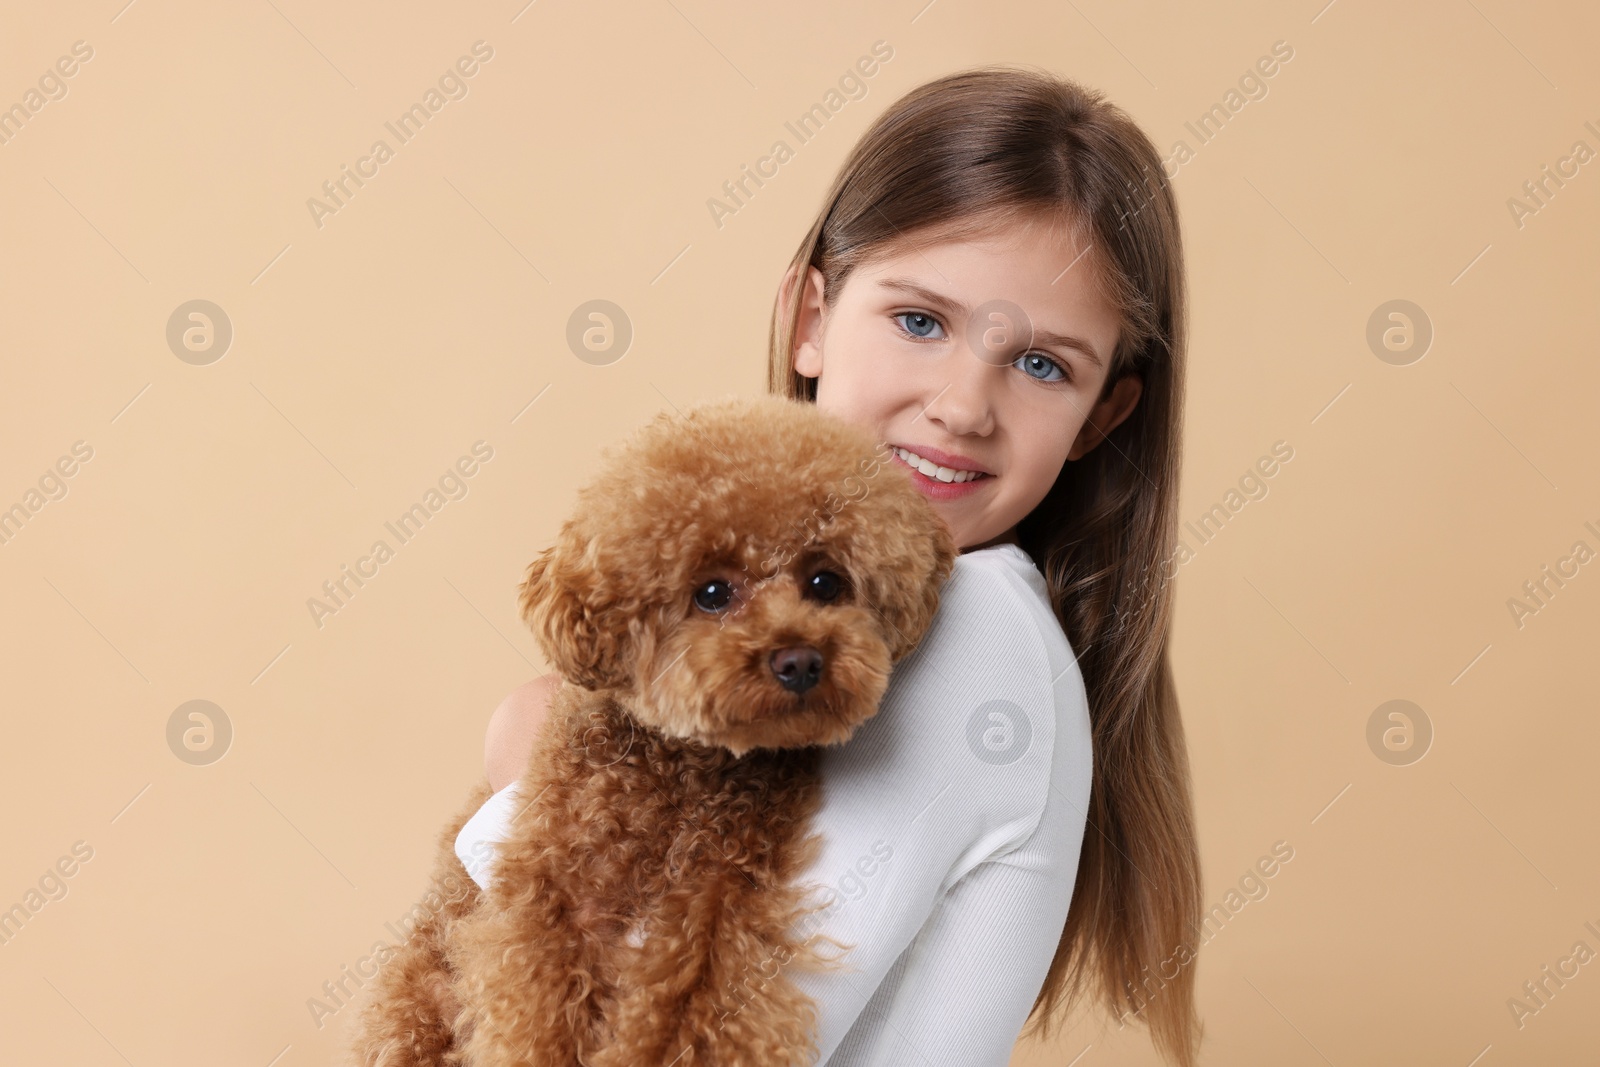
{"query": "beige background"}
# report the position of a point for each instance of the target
(369, 353)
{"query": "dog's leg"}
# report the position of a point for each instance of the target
(530, 973)
(528, 976)
(706, 990)
(407, 1016)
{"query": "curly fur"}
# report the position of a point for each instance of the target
(407, 1012)
(644, 904)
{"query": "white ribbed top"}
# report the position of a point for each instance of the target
(951, 823)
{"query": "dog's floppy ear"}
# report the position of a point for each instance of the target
(567, 611)
(903, 586)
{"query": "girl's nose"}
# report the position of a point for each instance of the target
(963, 403)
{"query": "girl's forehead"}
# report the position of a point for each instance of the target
(1015, 248)
(1049, 271)
(996, 231)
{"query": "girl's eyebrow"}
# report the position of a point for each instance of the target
(1043, 337)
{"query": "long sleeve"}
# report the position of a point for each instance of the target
(952, 823)
(963, 989)
(475, 844)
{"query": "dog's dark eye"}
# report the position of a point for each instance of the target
(825, 586)
(713, 596)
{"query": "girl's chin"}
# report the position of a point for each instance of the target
(966, 527)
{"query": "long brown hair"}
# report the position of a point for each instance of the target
(955, 157)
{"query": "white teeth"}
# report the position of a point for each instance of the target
(933, 470)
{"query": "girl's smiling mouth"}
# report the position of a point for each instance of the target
(939, 482)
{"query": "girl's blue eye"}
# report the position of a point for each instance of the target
(1034, 361)
(922, 324)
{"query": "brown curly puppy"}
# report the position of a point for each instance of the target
(729, 596)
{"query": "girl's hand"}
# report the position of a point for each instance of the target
(513, 728)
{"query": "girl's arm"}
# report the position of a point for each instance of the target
(952, 824)
(967, 983)
(513, 727)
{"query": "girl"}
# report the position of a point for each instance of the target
(994, 287)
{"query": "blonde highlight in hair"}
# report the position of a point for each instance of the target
(961, 156)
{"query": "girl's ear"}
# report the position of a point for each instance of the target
(808, 332)
(578, 636)
(1107, 414)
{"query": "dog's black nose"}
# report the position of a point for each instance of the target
(798, 668)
